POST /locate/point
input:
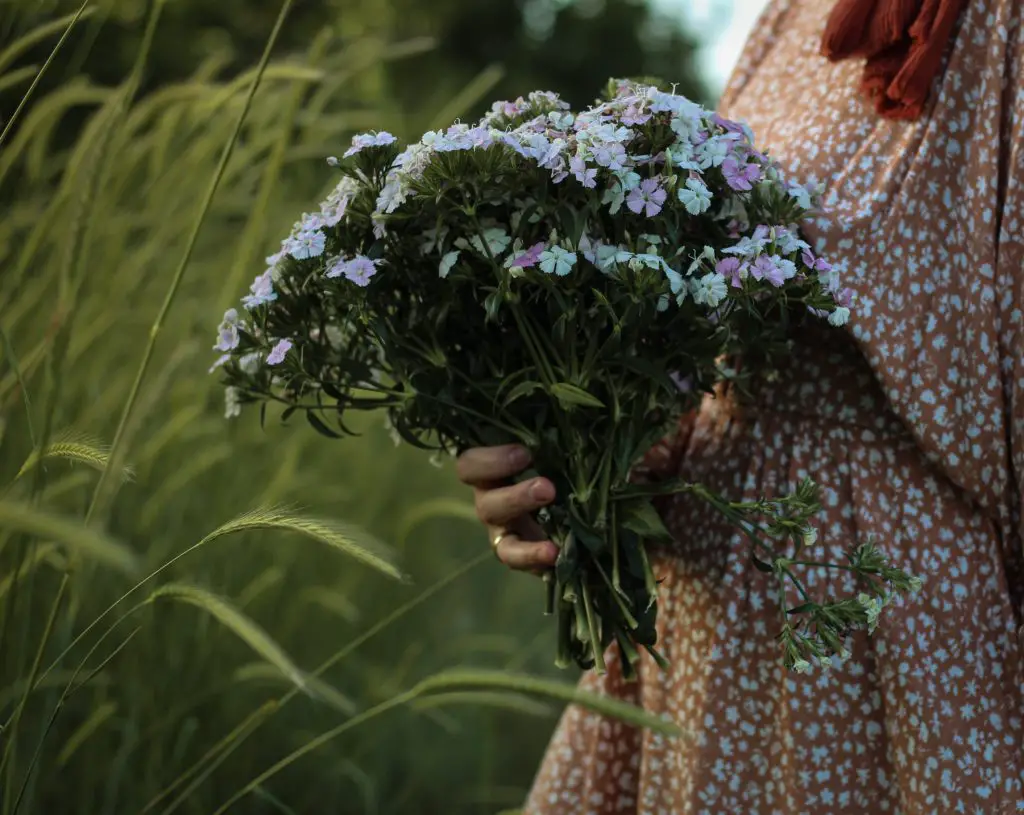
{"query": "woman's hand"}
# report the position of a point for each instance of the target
(505, 509)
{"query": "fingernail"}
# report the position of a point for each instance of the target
(519, 457)
(540, 490)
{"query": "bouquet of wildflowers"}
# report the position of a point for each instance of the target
(573, 283)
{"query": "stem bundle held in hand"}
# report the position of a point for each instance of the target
(573, 283)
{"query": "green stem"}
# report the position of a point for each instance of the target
(313, 744)
(595, 638)
(168, 299)
(853, 569)
(31, 88)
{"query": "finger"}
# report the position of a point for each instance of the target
(526, 556)
(502, 505)
(479, 466)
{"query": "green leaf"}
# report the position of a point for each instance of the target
(320, 427)
(521, 390)
(641, 517)
(761, 565)
(574, 396)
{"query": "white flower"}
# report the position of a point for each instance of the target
(392, 195)
(915, 584)
(801, 194)
(248, 363)
(649, 259)
(873, 609)
(746, 247)
(683, 156)
(802, 666)
(232, 405)
(557, 260)
(447, 262)
(715, 150)
(497, 241)
(606, 255)
(841, 316)
(810, 536)
(710, 289)
(695, 196)
(676, 283)
(787, 241)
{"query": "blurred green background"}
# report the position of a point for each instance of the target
(102, 179)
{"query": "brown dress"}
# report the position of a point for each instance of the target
(912, 421)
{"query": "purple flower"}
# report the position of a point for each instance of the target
(586, 177)
(261, 291)
(360, 269)
(336, 268)
(277, 353)
(765, 268)
(531, 257)
(807, 256)
(728, 124)
(227, 332)
(648, 197)
(732, 270)
(740, 176)
(845, 298)
(634, 115)
(610, 154)
(364, 140)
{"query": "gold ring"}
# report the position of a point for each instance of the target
(496, 541)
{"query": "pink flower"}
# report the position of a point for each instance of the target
(634, 115)
(765, 268)
(531, 257)
(277, 353)
(731, 269)
(740, 176)
(649, 197)
(578, 167)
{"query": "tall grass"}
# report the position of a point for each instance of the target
(168, 640)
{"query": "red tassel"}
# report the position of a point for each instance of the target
(903, 43)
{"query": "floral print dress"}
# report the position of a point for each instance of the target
(912, 421)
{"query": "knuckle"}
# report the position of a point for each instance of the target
(482, 507)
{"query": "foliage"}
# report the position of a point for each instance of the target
(571, 283)
(180, 644)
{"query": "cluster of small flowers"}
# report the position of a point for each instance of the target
(595, 148)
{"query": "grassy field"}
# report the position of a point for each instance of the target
(118, 253)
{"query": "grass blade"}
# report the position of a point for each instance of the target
(179, 272)
(470, 678)
(26, 42)
(93, 722)
(71, 533)
(561, 691)
(505, 700)
(335, 534)
(247, 630)
(81, 448)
